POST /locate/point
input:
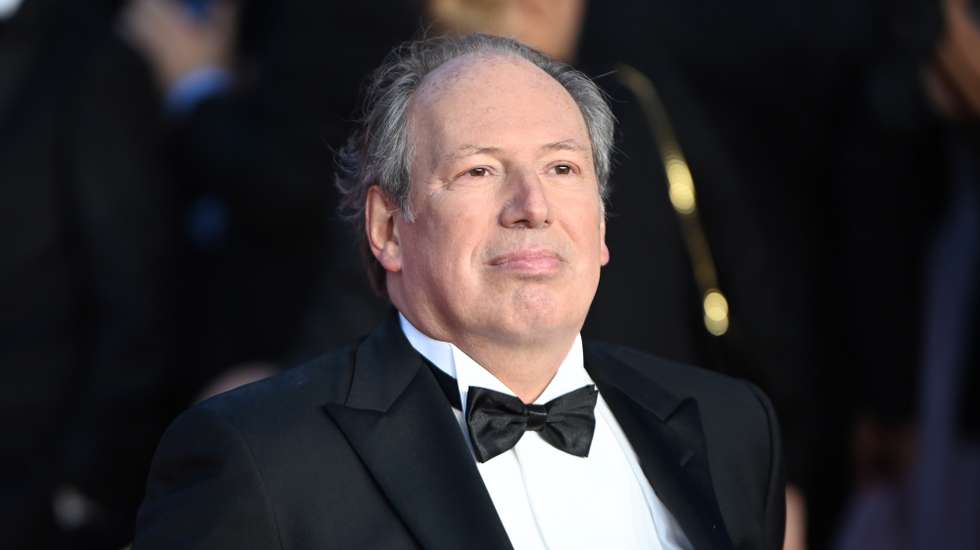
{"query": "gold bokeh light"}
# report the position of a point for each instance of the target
(681, 186)
(715, 312)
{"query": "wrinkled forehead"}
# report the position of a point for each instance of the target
(490, 70)
(478, 96)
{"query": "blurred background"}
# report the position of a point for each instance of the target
(796, 200)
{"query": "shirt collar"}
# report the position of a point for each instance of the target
(453, 361)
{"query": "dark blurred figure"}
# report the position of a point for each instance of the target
(819, 215)
(930, 497)
(86, 333)
(258, 94)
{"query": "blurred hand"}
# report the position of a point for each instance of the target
(236, 376)
(953, 81)
(795, 538)
(549, 26)
(177, 42)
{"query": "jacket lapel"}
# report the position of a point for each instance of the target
(398, 421)
(665, 432)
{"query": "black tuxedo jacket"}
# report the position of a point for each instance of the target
(359, 449)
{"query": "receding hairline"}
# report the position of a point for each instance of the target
(452, 70)
(441, 79)
(380, 150)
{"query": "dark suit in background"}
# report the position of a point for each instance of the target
(85, 306)
(263, 150)
(815, 199)
(360, 449)
(753, 206)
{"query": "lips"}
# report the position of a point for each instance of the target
(528, 262)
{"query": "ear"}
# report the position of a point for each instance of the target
(382, 233)
(603, 249)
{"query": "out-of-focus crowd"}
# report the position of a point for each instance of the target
(795, 200)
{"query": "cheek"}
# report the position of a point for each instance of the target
(442, 251)
(456, 231)
(589, 233)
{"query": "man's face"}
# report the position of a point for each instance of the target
(507, 238)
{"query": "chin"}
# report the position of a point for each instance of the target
(536, 312)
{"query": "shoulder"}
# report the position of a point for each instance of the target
(280, 402)
(736, 416)
(739, 427)
(711, 389)
(228, 453)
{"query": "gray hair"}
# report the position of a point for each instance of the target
(379, 152)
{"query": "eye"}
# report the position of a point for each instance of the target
(563, 169)
(478, 172)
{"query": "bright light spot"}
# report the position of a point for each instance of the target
(681, 186)
(715, 312)
(8, 8)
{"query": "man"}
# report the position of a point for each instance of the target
(477, 177)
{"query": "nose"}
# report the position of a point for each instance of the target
(527, 204)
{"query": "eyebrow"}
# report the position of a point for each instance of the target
(564, 145)
(469, 150)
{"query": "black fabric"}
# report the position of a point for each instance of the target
(358, 450)
(264, 151)
(969, 414)
(969, 397)
(447, 384)
(497, 421)
(495, 431)
(817, 176)
(648, 298)
(86, 335)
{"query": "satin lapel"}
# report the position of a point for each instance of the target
(398, 421)
(665, 432)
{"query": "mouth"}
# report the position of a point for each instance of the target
(528, 262)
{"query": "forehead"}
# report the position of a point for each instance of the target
(493, 101)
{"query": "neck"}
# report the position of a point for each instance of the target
(524, 364)
(525, 369)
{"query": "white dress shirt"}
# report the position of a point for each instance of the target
(549, 499)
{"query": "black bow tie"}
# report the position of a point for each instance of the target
(497, 421)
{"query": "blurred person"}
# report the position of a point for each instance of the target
(86, 324)
(256, 94)
(812, 201)
(477, 179)
(930, 499)
(949, 468)
(552, 26)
